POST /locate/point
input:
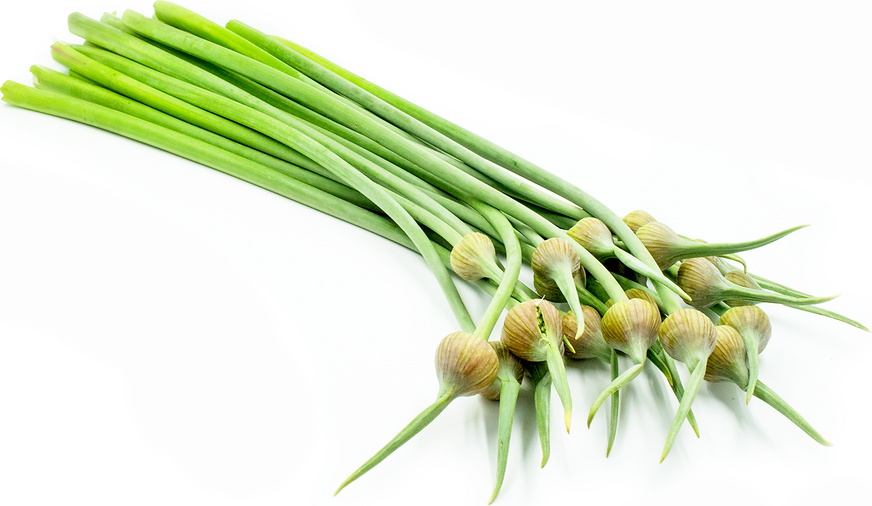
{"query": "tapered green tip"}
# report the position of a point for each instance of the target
(567, 419)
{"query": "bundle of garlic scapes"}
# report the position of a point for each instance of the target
(277, 115)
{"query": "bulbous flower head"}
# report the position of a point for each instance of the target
(631, 326)
(465, 364)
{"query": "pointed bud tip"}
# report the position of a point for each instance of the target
(567, 419)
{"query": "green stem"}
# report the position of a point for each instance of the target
(587, 298)
(830, 314)
(408, 432)
(615, 404)
(678, 390)
(753, 355)
(778, 287)
(697, 249)
(325, 104)
(554, 360)
(613, 387)
(542, 401)
(735, 291)
(684, 406)
(436, 217)
(643, 269)
(508, 399)
(660, 364)
(765, 394)
(507, 160)
(51, 80)
(509, 276)
(566, 283)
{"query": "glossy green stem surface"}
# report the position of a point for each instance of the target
(684, 406)
(618, 383)
(408, 432)
(508, 399)
(765, 394)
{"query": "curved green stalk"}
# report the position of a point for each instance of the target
(739, 260)
(613, 387)
(700, 249)
(589, 299)
(446, 225)
(507, 160)
(108, 37)
(61, 83)
(654, 274)
(660, 364)
(684, 406)
(753, 356)
(740, 292)
(408, 432)
(830, 314)
(508, 399)
(542, 402)
(319, 153)
(765, 394)
(566, 284)
(615, 404)
(557, 368)
(509, 276)
(678, 388)
(778, 287)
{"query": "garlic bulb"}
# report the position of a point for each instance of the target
(629, 326)
(475, 257)
(728, 363)
(590, 344)
(689, 336)
(533, 331)
(465, 365)
(556, 271)
(594, 236)
(707, 286)
(667, 247)
(638, 219)
(754, 328)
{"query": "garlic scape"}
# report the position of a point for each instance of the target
(749, 281)
(533, 331)
(659, 357)
(590, 344)
(594, 236)
(541, 379)
(506, 388)
(688, 336)
(629, 326)
(753, 326)
(556, 271)
(707, 286)
(465, 365)
(728, 363)
(667, 247)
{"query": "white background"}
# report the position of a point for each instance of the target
(170, 335)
